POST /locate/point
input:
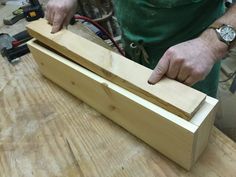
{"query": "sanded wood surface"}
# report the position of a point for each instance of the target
(47, 132)
(157, 127)
(169, 94)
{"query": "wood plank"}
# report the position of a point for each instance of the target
(169, 94)
(159, 128)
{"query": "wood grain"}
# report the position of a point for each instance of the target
(36, 118)
(157, 127)
(169, 94)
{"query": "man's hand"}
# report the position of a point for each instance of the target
(59, 13)
(191, 61)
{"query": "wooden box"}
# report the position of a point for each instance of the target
(180, 140)
(180, 136)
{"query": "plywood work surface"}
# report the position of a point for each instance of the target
(169, 94)
(47, 132)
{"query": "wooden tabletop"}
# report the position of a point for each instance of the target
(47, 132)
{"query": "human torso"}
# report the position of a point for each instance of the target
(160, 24)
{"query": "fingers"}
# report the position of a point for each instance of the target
(184, 73)
(67, 20)
(187, 62)
(190, 81)
(49, 13)
(160, 70)
(60, 13)
(194, 77)
(174, 68)
(57, 22)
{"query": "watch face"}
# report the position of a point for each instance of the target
(227, 33)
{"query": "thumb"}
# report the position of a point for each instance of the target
(159, 71)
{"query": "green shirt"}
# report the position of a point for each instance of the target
(157, 25)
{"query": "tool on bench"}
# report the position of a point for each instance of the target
(34, 11)
(15, 17)
(13, 47)
(30, 12)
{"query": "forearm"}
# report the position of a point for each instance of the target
(219, 48)
(229, 17)
(191, 61)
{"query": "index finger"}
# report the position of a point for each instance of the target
(57, 22)
(160, 70)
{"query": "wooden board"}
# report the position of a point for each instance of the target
(169, 94)
(174, 137)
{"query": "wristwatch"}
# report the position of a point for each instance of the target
(225, 33)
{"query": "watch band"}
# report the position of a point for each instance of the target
(217, 25)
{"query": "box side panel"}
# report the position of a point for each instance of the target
(121, 106)
(203, 133)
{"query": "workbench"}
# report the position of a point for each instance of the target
(45, 131)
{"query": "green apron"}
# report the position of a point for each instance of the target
(150, 27)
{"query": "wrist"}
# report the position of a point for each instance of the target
(217, 48)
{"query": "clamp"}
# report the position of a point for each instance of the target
(13, 47)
